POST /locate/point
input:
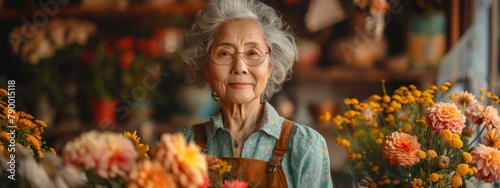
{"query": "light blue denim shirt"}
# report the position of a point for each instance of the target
(306, 163)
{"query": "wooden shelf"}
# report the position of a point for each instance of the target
(343, 74)
(132, 11)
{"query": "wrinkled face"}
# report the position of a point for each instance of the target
(238, 82)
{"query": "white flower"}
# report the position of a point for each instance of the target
(56, 33)
(34, 174)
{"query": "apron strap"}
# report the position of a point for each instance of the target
(278, 179)
(200, 136)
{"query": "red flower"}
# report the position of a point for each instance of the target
(125, 43)
(126, 59)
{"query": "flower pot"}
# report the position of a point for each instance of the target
(104, 113)
(426, 39)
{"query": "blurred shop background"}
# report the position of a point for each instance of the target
(115, 65)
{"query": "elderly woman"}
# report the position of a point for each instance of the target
(245, 52)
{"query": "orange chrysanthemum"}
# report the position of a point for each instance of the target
(492, 138)
(184, 160)
(487, 161)
(445, 116)
(150, 173)
(464, 99)
(401, 149)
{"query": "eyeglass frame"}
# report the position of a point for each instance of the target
(243, 55)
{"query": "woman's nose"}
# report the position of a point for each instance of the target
(239, 65)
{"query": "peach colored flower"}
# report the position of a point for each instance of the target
(149, 173)
(234, 184)
(109, 154)
(480, 115)
(184, 160)
(445, 116)
(487, 161)
(492, 138)
(464, 99)
(401, 149)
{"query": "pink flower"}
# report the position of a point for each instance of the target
(445, 116)
(464, 99)
(487, 161)
(401, 149)
(109, 154)
(480, 115)
(234, 184)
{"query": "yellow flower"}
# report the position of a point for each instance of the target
(416, 183)
(3, 92)
(386, 98)
(359, 156)
(434, 177)
(142, 149)
(347, 101)
(52, 150)
(466, 157)
(431, 154)
(387, 181)
(354, 101)
(378, 141)
(375, 98)
(375, 168)
(443, 88)
(447, 84)
(372, 185)
(35, 143)
(224, 167)
(456, 143)
(41, 123)
(456, 181)
(325, 117)
(471, 172)
(359, 165)
(40, 154)
(396, 182)
(462, 169)
(345, 143)
(406, 128)
(4, 135)
(421, 154)
(417, 93)
(446, 135)
(481, 98)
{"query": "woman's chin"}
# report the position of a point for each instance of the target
(239, 99)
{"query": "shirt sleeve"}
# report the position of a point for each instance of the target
(310, 160)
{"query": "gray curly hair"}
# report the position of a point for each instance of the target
(278, 35)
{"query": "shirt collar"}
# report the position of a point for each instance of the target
(271, 122)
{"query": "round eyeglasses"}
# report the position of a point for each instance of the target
(253, 56)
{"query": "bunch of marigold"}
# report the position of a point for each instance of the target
(420, 138)
(20, 127)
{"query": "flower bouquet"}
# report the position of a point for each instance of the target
(119, 160)
(408, 139)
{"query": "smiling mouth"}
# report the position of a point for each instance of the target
(239, 84)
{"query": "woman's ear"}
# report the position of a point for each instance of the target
(270, 69)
